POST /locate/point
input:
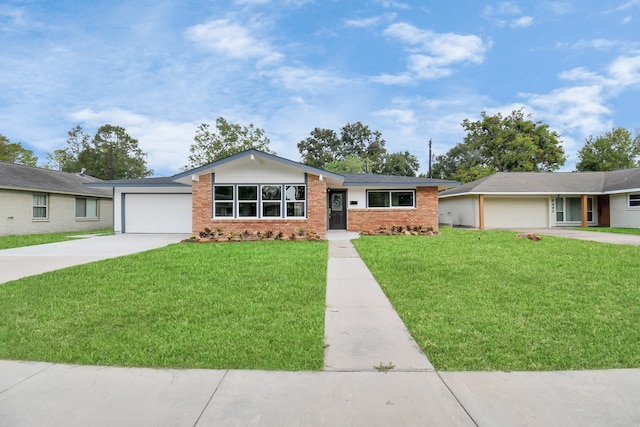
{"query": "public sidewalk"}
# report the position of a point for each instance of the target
(362, 331)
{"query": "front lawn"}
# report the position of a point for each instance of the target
(251, 305)
(9, 242)
(484, 300)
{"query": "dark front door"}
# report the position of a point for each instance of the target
(604, 218)
(337, 205)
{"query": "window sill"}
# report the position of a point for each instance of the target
(244, 218)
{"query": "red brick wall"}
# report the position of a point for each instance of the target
(316, 220)
(426, 213)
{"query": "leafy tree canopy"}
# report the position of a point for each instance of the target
(110, 154)
(14, 152)
(324, 146)
(616, 149)
(357, 149)
(223, 141)
(501, 144)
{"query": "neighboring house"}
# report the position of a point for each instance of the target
(545, 199)
(35, 200)
(256, 191)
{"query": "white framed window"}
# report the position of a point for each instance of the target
(248, 201)
(223, 200)
(40, 206)
(296, 197)
(86, 208)
(391, 199)
(634, 200)
(272, 201)
(569, 209)
(259, 201)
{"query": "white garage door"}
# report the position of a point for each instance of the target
(515, 212)
(157, 213)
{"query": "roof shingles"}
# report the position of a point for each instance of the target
(31, 178)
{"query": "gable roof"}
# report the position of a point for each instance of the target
(30, 178)
(352, 179)
(263, 155)
(551, 183)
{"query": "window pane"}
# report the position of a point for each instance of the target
(223, 192)
(295, 208)
(559, 204)
(378, 199)
(271, 192)
(295, 192)
(404, 198)
(81, 208)
(634, 199)
(92, 208)
(560, 216)
(223, 209)
(271, 209)
(573, 209)
(39, 212)
(39, 199)
(248, 209)
(247, 192)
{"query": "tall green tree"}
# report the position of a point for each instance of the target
(225, 140)
(616, 149)
(324, 146)
(500, 144)
(66, 159)
(400, 164)
(320, 148)
(110, 154)
(14, 152)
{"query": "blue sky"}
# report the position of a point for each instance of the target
(414, 70)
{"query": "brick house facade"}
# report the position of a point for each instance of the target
(259, 192)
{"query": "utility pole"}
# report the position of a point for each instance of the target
(429, 174)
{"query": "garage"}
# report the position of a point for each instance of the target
(516, 212)
(157, 213)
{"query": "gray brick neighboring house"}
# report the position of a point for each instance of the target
(545, 199)
(36, 200)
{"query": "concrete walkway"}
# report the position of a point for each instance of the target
(362, 331)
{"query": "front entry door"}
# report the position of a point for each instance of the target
(337, 204)
(604, 219)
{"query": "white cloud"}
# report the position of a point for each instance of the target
(580, 109)
(524, 21)
(625, 71)
(371, 21)
(233, 40)
(304, 79)
(433, 54)
(393, 4)
(506, 13)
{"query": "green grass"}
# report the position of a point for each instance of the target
(487, 301)
(253, 305)
(9, 242)
(612, 230)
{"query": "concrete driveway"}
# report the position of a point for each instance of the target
(595, 236)
(31, 260)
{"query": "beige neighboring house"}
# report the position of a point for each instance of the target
(545, 199)
(36, 200)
